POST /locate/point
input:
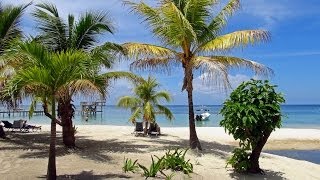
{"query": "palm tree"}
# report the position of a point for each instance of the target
(145, 102)
(10, 17)
(46, 74)
(58, 36)
(194, 40)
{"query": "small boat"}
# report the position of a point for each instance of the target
(203, 116)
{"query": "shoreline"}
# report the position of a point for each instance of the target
(101, 150)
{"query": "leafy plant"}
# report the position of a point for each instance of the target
(155, 167)
(130, 166)
(239, 160)
(176, 161)
(250, 115)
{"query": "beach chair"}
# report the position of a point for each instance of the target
(7, 125)
(138, 128)
(18, 125)
(154, 129)
(32, 127)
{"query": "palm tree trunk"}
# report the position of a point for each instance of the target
(66, 111)
(194, 141)
(52, 172)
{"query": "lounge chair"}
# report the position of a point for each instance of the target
(154, 129)
(32, 127)
(18, 124)
(139, 128)
(7, 125)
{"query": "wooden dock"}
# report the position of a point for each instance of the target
(92, 108)
(20, 112)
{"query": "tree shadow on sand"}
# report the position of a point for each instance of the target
(36, 145)
(85, 175)
(272, 175)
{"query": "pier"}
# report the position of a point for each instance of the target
(19, 112)
(92, 108)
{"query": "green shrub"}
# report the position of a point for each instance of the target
(250, 115)
(154, 168)
(176, 161)
(130, 166)
(239, 160)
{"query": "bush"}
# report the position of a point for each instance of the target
(155, 167)
(130, 166)
(250, 115)
(176, 161)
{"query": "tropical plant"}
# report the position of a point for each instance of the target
(192, 37)
(154, 168)
(130, 166)
(145, 102)
(176, 161)
(250, 115)
(46, 74)
(58, 36)
(10, 30)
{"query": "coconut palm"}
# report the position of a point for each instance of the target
(10, 17)
(58, 35)
(145, 102)
(192, 37)
(46, 74)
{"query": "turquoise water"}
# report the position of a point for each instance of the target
(296, 116)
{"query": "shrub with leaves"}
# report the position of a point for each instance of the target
(130, 166)
(176, 161)
(154, 168)
(250, 115)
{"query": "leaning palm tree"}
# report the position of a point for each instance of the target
(192, 37)
(10, 29)
(46, 74)
(58, 36)
(145, 102)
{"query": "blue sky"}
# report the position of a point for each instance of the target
(293, 52)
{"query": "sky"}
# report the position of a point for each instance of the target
(293, 51)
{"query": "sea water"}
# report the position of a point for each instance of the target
(294, 116)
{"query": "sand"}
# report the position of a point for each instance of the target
(101, 151)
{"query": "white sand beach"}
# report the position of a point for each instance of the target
(101, 151)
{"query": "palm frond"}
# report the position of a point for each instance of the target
(235, 39)
(136, 114)
(128, 102)
(53, 30)
(10, 29)
(89, 25)
(213, 73)
(165, 111)
(220, 20)
(115, 75)
(162, 95)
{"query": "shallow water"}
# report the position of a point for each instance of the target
(295, 116)
(307, 155)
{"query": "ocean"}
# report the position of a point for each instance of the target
(295, 116)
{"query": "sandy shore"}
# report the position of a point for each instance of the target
(101, 150)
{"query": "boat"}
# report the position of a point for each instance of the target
(203, 116)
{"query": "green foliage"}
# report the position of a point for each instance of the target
(251, 114)
(146, 101)
(176, 161)
(239, 160)
(154, 168)
(130, 166)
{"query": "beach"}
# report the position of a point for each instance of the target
(101, 150)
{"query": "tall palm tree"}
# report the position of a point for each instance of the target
(193, 38)
(10, 29)
(145, 102)
(46, 74)
(58, 36)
